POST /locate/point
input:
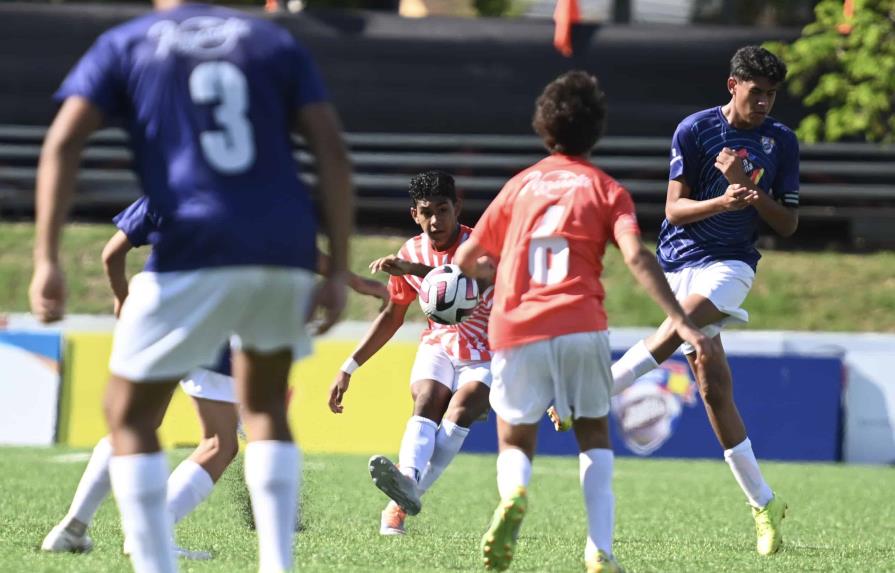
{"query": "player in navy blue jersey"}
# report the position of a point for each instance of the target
(732, 166)
(209, 97)
(213, 393)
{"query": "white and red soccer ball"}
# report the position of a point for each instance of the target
(447, 296)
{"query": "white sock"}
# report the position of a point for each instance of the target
(273, 472)
(636, 362)
(448, 442)
(595, 472)
(745, 469)
(513, 471)
(188, 486)
(94, 485)
(139, 483)
(417, 446)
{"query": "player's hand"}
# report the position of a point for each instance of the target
(330, 299)
(337, 392)
(730, 165)
(702, 343)
(559, 424)
(486, 270)
(47, 292)
(738, 197)
(391, 264)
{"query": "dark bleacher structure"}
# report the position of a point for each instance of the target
(847, 194)
(421, 94)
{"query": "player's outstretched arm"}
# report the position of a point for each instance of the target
(474, 261)
(320, 126)
(56, 172)
(397, 267)
(381, 331)
(360, 285)
(114, 260)
(642, 264)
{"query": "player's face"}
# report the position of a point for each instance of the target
(437, 218)
(752, 99)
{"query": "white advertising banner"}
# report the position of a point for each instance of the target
(30, 380)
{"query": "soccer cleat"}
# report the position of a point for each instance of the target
(61, 540)
(768, 521)
(400, 488)
(559, 425)
(603, 563)
(392, 520)
(499, 541)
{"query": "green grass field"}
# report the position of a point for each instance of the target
(822, 291)
(672, 516)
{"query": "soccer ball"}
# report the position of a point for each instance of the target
(447, 296)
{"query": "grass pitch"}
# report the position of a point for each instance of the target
(672, 516)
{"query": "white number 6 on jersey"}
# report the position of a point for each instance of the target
(548, 254)
(231, 149)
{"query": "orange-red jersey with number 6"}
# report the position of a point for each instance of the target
(549, 227)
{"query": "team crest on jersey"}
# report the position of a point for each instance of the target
(767, 144)
(553, 184)
(205, 36)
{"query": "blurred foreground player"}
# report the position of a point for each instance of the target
(548, 229)
(209, 96)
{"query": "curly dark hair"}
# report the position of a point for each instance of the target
(750, 62)
(570, 113)
(428, 185)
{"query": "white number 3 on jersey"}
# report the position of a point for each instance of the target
(231, 149)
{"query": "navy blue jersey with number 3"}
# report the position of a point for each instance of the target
(208, 95)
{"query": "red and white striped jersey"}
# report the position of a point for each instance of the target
(467, 341)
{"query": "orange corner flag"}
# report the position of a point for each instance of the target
(565, 15)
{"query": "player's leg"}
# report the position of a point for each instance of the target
(522, 388)
(272, 460)
(139, 470)
(268, 337)
(467, 405)
(716, 387)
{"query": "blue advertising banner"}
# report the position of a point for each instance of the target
(791, 406)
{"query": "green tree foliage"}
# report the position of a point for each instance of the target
(844, 71)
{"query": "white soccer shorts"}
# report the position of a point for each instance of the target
(208, 385)
(725, 283)
(173, 322)
(432, 362)
(570, 371)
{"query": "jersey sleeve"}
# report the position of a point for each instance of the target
(97, 77)
(400, 291)
(622, 216)
(684, 155)
(491, 229)
(786, 184)
(308, 86)
(135, 222)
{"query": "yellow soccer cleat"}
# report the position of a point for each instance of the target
(559, 425)
(603, 563)
(500, 539)
(768, 521)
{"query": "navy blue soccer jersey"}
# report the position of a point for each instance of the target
(770, 156)
(208, 96)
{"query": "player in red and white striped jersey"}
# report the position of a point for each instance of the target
(451, 376)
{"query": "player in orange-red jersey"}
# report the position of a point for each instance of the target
(451, 375)
(548, 229)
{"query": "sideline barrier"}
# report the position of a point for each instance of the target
(29, 387)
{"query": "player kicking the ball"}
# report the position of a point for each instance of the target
(451, 375)
(213, 394)
(549, 227)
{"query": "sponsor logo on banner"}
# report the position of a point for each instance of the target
(647, 412)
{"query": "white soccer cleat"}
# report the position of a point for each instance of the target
(400, 488)
(61, 540)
